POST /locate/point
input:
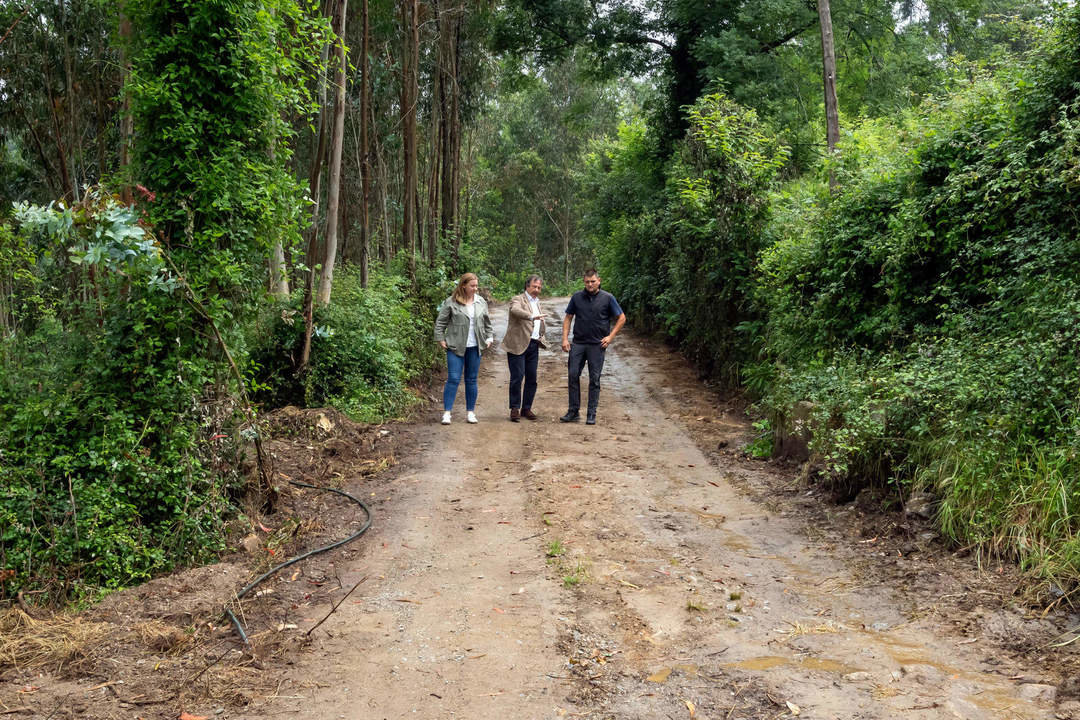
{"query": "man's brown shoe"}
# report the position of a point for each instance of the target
(528, 414)
(514, 414)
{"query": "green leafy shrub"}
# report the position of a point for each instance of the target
(369, 345)
(105, 473)
(930, 313)
(685, 262)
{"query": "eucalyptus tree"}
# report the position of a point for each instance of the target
(59, 84)
(540, 130)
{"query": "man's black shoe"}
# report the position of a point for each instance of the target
(590, 419)
(570, 416)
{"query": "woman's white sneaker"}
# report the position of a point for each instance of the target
(446, 417)
(471, 417)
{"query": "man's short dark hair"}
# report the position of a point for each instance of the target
(529, 280)
(591, 272)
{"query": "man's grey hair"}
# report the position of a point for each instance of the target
(529, 280)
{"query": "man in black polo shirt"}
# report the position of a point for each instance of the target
(591, 310)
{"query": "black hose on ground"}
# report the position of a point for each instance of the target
(254, 583)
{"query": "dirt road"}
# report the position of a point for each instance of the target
(535, 570)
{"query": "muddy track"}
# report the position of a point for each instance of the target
(536, 570)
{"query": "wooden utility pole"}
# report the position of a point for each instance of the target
(828, 61)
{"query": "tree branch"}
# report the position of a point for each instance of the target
(17, 21)
(768, 47)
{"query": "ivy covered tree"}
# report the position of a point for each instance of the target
(119, 412)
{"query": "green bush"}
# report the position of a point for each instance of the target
(930, 313)
(106, 471)
(684, 264)
(369, 346)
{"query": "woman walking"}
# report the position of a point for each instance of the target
(462, 329)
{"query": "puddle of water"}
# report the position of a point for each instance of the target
(826, 665)
(660, 676)
(766, 662)
(691, 670)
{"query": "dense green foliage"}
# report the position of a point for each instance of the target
(931, 312)
(369, 345)
(58, 98)
(525, 218)
(767, 55)
(105, 471)
(119, 410)
(921, 325)
(685, 264)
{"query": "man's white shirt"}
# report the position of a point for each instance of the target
(534, 303)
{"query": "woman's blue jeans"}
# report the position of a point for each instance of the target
(455, 366)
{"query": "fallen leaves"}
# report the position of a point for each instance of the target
(188, 716)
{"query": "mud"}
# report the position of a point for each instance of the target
(641, 568)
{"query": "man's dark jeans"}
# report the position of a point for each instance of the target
(579, 355)
(523, 367)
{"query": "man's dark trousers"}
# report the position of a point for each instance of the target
(523, 367)
(580, 353)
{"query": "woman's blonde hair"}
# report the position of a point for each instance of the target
(459, 291)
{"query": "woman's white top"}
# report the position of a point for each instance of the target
(470, 310)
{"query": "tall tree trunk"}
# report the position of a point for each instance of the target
(828, 61)
(365, 150)
(58, 132)
(409, 62)
(100, 113)
(333, 190)
(434, 154)
(127, 122)
(384, 196)
(71, 116)
(451, 191)
(314, 188)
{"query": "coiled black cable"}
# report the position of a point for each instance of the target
(254, 583)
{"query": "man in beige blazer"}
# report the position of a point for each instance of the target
(525, 329)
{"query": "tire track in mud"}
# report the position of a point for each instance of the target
(545, 570)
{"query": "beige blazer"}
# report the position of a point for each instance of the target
(519, 326)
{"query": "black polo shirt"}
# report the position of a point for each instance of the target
(592, 315)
